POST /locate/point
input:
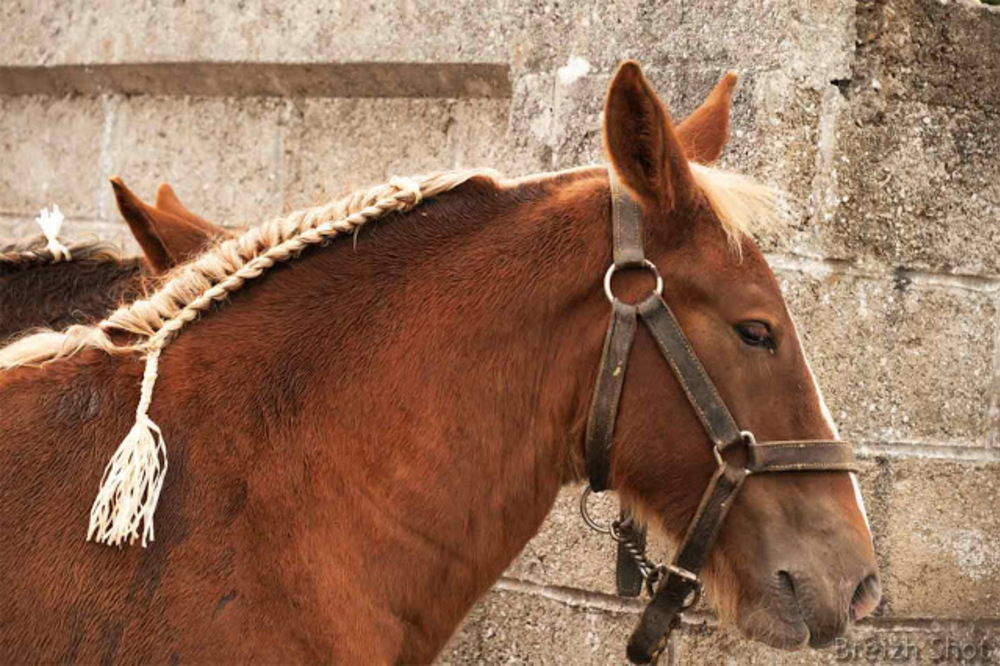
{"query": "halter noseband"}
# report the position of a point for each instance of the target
(681, 585)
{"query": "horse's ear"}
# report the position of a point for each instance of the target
(641, 143)
(704, 133)
(139, 218)
(185, 234)
(167, 238)
(167, 200)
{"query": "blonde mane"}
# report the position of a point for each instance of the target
(744, 207)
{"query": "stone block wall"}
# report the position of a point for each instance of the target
(879, 118)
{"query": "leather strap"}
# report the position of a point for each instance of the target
(688, 370)
(626, 227)
(804, 456)
(663, 612)
(607, 393)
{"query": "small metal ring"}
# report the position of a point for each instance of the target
(586, 515)
(647, 264)
(748, 438)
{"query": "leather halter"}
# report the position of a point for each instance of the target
(681, 586)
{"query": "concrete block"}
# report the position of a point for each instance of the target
(928, 52)
(532, 123)
(943, 540)
(332, 146)
(899, 358)
(809, 39)
(53, 32)
(221, 155)
(915, 185)
(515, 628)
(52, 154)
(913, 175)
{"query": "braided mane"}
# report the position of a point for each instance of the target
(35, 251)
(191, 288)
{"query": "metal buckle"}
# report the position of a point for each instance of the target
(647, 264)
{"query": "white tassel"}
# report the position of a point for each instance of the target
(51, 224)
(134, 477)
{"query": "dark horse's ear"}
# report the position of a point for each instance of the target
(641, 143)
(166, 237)
(704, 133)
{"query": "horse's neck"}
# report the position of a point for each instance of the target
(56, 295)
(433, 383)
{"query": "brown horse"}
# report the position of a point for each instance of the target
(39, 289)
(365, 434)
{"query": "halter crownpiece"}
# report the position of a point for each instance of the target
(679, 583)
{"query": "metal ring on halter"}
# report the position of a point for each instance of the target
(591, 523)
(647, 264)
(748, 439)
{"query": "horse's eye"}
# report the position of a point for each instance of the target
(755, 334)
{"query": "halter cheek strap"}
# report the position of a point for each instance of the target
(680, 586)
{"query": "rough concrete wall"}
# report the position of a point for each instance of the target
(879, 118)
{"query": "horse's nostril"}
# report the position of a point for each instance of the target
(786, 582)
(866, 597)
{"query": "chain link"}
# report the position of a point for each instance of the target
(625, 533)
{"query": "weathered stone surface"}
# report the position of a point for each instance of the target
(916, 185)
(222, 156)
(511, 628)
(330, 147)
(541, 35)
(867, 644)
(899, 358)
(51, 154)
(914, 175)
(943, 540)
(809, 39)
(928, 52)
(52, 32)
